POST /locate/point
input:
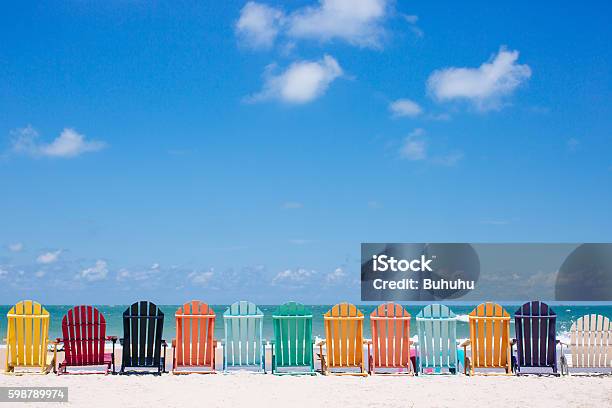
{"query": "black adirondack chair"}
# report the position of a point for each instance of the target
(143, 323)
(536, 338)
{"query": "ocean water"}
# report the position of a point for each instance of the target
(566, 314)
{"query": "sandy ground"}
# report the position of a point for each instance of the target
(249, 389)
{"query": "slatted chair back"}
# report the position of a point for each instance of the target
(490, 337)
(244, 346)
(390, 324)
(27, 336)
(591, 342)
(84, 334)
(437, 333)
(536, 336)
(344, 336)
(195, 329)
(143, 324)
(293, 336)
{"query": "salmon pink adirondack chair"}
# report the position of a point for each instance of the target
(84, 337)
(390, 345)
(194, 346)
(489, 339)
(590, 344)
(27, 338)
(343, 340)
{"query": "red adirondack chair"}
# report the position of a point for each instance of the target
(84, 336)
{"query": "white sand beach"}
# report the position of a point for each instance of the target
(258, 390)
(251, 389)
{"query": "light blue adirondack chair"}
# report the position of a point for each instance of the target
(437, 328)
(243, 346)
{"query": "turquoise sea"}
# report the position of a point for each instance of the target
(565, 315)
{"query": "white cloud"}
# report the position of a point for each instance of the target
(292, 205)
(485, 86)
(405, 107)
(414, 146)
(40, 274)
(95, 273)
(449, 159)
(139, 275)
(68, 144)
(358, 22)
(337, 276)
(201, 278)
(3, 272)
(49, 257)
(258, 25)
(411, 18)
(302, 82)
(297, 277)
(15, 247)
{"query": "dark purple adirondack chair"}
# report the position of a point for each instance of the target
(536, 337)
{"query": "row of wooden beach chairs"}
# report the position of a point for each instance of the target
(390, 351)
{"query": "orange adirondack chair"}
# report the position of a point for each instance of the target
(489, 339)
(194, 347)
(391, 342)
(344, 340)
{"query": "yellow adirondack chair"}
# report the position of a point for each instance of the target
(344, 340)
(489, 339)
(27, 338)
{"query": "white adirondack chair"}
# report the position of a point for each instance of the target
(590, 344)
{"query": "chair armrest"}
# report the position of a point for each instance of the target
(512, 342)
(562, 343)
(466, 343)
(112, 338)
(58, 340)
(164, 344)
(215, 343)
(173, 343)
(272, 342)
(121, 342)
(321, 343)
(367, 341)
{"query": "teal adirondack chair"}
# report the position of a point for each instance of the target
(437, 329)
(293, 343)
(243, 346)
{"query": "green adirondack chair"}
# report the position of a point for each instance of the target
(437, 330)
(293, 343)
(244, 346)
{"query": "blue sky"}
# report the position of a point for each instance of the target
(225, 150)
